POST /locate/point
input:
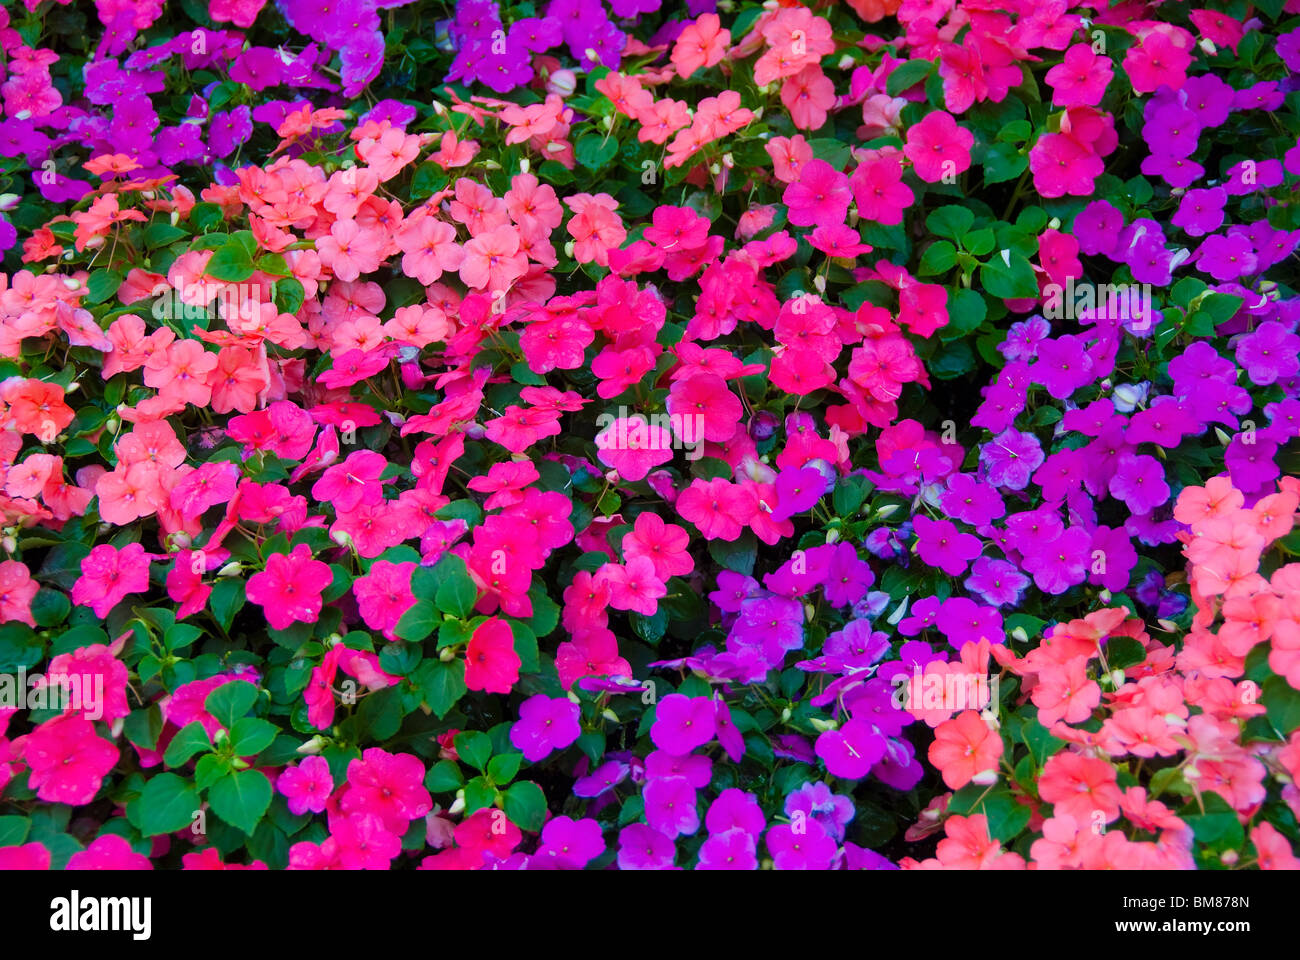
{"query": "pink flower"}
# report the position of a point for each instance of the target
(30, 856)
(384, 594)
(289, 589)
(109, 574)
(109, 852)
(633, 447)
(633, 586)
(80, 669)
(306, 786)
(491, 663)
(68, 760)
(938, 147)
(820, 195)
(17, 589)
(388, 785)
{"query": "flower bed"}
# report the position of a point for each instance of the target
(579, 434)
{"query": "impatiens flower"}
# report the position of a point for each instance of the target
(810, 848)
(682, 723)
(109, 574)
(544, 726)
(572, 843)
(963, 748)
(821, 195)
(68, 760)
(941, 545)
(109, 852)
(289, 589)
(938, 148)
(306, 786)
(641, 847)
(491, 663)
(670, 806)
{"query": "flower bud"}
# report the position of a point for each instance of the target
(985, 778)
(446, 655)
(458, 807)
(313, 746)
(231, 569)
(823, 726)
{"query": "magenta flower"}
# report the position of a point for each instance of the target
(68, 760)
(306, 786)
(941, 545)
(682, 723)
(109, 574)
(109, 852)
(641, 847)
(733, 849)
(1139, 481)
(289, 589)
(670, 806)
(821, 195)
(852, 750)
(1011, 458)
(811, 848)
(545, 725)
(389, 785)
(572, 843)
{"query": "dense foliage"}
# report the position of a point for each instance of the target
(580, 434)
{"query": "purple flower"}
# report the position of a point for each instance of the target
(1201, 211)
(774, 624)
(1023, 338)
(852, 750)
(696, 769)
(1061, 563)
(670, 806)
(733, 849)
(735, 809)
(259, 67)
(999, 408)
(1113, 559)
(797, 491)
(572, 843)
(803, 572)
(941, 545)
(971, 501)
(641, 847)
(818, 803)
(899, 767)
(923, 614)
(996, 581)
(1011, 458)
(180, 143)
(601, 780)
(229, 129)
(1209, 98)
(733, 744)
(1030, 527)
(1225, 258)
(733, 589)
(964, 621)
(847, 576)
(545, 725)
(1173, 129)
(1164, 423)
(535, 34)
(1251, 462)
(1097, 228)
(682, 723)
(1269, 354)
(1139, 481)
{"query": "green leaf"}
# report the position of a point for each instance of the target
(1283, 704)
(951, 221)
(443, 684)
(503, 767)
(737, 555)
(1009, 279)
(478, 795)
(939, 257)
(231, 263)
(102, 285)
(525, 805)
(241, 798)
(457, 593)
(418, 622)
(13, 831)
(908, 75)
(143, 727)
(444, 777)
(1217, 828)
(50, 607)
(226, 600)
(189, 740)
(167, 804)
(230, 701)
(595, 151)
(474, 747)
(250, 736)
